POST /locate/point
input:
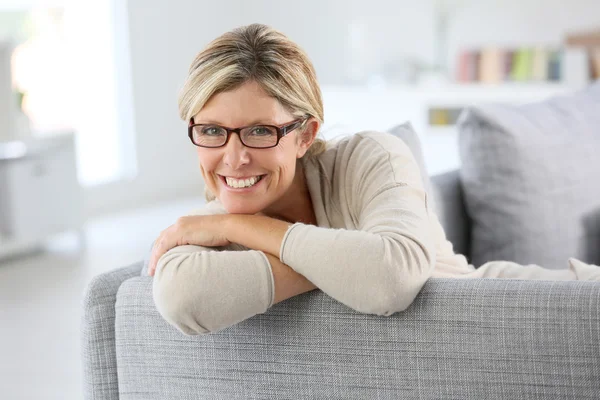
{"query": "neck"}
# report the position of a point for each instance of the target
(296, 204)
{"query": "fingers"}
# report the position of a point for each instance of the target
(159, 248)
(151, 267)
(152, 263)
(169, 238)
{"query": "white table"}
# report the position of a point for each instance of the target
(39, 192)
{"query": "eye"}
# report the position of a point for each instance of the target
(213, 131)
(262, 131)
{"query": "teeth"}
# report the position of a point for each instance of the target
(235, 183)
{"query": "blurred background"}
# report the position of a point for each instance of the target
(94, 161)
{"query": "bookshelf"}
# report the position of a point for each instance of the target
(350, 109)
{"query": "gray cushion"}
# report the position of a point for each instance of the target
(408, 135)
(452, 212)
(531, 176)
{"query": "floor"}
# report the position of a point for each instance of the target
(41, 293)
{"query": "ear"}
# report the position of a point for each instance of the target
(307, 137)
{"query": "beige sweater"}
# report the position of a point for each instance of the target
(376, 244)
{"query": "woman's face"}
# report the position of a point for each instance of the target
(274, 167)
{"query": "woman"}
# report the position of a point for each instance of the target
(285, 214)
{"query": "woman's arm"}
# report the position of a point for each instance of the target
(201, 290)
(288, 283)
(256, 232)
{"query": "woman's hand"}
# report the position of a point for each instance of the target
(200, 230)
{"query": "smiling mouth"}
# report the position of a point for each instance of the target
(241, 183)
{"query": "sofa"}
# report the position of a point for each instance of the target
(460, 338)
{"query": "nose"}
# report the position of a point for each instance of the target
(236, 154)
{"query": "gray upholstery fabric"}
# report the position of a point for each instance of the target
(407, 133)
(531, 176)
(98, 332)
(476, 339)
(448, 194)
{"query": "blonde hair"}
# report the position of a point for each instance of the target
(255, 53)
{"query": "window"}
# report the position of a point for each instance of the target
(71, 68)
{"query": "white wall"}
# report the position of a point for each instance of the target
(164, 37)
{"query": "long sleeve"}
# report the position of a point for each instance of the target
(201, 289)
(577, 270)
(381, 264)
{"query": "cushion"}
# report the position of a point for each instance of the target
(408, 135)
(531, 176)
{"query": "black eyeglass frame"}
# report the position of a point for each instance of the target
(282, 130)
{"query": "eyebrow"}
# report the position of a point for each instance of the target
(255, 122)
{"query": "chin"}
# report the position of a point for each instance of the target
(237, 208)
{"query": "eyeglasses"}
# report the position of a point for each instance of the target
(255, 136)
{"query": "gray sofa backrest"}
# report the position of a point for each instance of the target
(476, 338)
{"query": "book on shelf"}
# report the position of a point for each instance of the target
(522, 63)
(595, 61)
(508, 63)
(554, 66)
(462, 69)
(496, 65)
(491, 65)
(474, 71)
(468, 67)
(444, 116)
(539, 65)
